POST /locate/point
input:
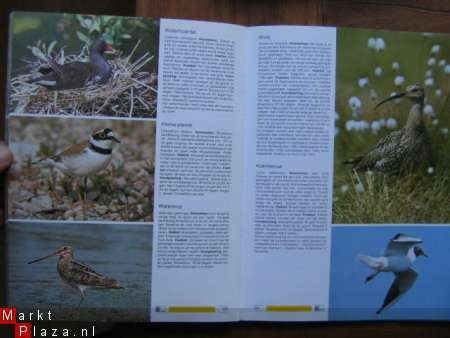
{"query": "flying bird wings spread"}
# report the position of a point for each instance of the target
(402, 283)
(400, 244)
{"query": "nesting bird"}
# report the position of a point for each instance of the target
(398, 258)
(78, 275)
(403, 149)
(77, 74)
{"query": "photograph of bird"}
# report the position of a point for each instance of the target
(399, 255)
(78, 275)
(86, 158)
(403, 149)
(77, 74)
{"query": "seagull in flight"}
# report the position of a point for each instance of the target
(401, 251)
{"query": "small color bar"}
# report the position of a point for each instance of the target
(191, 309)
(289, 308)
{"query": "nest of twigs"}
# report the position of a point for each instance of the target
(129, 92)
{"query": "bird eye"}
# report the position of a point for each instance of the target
(102, 135)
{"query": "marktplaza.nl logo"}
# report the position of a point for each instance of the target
(24, 328)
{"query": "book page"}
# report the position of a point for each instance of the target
(196, 260)
(289, 169)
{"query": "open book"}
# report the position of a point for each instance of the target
(214, 172)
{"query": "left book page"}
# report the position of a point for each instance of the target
(81, 122)
(198, 195)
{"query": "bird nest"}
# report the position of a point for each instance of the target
(129, 92)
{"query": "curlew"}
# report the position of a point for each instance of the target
(404, 149)
(78, 275)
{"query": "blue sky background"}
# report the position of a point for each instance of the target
(352, 299)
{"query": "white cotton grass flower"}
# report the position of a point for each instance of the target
(447, 69)
(391, 123)
(428, 110)
(431, 62)
(373, 94)
(438, 92)
(354, 103)
(429, 82)
(435, 49)
(430, 170)
(336, 116)
(380, 45)
(395, 65)
(399, 80)
(344, 188)
(359, 188)
(378, 71)
(442, 62)
(356, 125)
(375, 126)
(435, 122)
(371, 43)
(444, 131)
(382, 122)
(428, 73)
(362, 82)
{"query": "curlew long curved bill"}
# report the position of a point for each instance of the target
(390, 98)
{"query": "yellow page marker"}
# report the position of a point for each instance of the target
(289, 308)
(192, 309)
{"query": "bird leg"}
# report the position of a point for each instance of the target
(372, 276)
(81, 298)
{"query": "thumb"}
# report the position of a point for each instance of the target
(6, 157)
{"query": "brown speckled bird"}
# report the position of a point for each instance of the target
(403, 149)
(79, 275)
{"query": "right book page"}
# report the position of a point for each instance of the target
(289, 169)
(348, 188)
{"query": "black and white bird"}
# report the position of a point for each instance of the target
(86, 158)
(398, 258)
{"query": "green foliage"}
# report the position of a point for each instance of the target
(415, 198)
(111, 28)
(418, 197)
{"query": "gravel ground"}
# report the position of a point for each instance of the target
(121, 192)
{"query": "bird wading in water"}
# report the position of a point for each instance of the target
(78, 275)
(401, 150)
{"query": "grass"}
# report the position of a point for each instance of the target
(417, 197)
(414, 198)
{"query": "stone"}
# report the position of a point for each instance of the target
(40, 203)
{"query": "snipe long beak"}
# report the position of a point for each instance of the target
(42, 258)
(390, 98)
